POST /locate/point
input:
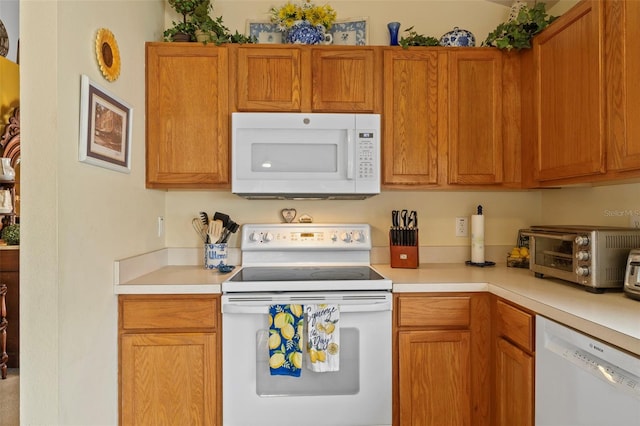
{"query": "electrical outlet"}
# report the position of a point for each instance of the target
(462, 226)
(634, 221)
(160, 226)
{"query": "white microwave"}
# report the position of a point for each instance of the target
(303, 156)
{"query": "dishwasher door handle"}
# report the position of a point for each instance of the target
(236, 308)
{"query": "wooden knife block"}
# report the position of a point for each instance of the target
(405, 256)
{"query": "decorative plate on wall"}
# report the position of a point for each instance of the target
(108, 54)
(4, 40)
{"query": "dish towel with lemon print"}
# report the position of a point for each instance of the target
(323, 334)
(285, 339)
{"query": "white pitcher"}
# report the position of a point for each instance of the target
(7, 172)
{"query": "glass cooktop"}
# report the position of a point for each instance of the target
(306, 273)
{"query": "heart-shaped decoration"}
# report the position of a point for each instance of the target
(288, 214)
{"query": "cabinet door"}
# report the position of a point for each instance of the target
(475, 116)
(514, 385)
(434, 383)
(623, 91)
(269, 79)
(569, 107)
(412, 107)
(168, 378)
(10, 275)
(187, 116)
(343, 80)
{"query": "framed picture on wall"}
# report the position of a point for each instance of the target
(105, 128)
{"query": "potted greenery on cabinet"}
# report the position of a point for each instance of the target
(523, 23)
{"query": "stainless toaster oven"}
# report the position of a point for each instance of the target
(592, 256)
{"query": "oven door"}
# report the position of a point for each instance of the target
(358, 394)
(553, 255)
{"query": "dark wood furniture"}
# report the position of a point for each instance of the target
(10, 276)
(3, 332)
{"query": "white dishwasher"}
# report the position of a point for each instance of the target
(581, 381)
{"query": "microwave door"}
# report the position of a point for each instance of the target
(294, 161)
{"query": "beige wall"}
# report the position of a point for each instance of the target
(77, 218)
(429, 17)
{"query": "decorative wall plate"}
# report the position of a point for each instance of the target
(4, 40)
(352, 31)
(108, 54)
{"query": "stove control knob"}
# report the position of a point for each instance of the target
(583, 271)
(582, 240)
(254, 236)
(334, 237)
(268, 236)
(346, 237)
(358, 236)
(583, 255)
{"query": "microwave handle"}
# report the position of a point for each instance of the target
(350, 154)
(563, 237)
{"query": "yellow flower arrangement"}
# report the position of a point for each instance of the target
(289, 14)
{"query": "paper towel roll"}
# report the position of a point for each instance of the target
(477, 238)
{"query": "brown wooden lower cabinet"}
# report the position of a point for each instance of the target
(514, 356)
(442, 359)
(169, 349)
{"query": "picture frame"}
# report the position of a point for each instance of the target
(265, 32)
(105, 128)
(350, 32)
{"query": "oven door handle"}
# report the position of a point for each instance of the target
(233, 308)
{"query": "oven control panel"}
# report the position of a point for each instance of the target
(311, 236)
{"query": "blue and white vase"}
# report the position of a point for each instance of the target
(458, 38)
(302, 32)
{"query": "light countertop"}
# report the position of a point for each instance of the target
(611, 317)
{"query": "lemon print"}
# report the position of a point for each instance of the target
(296, 310)
(333, 348)
(296, 359)
(270, 321)
(276, 360)
(319, 327)
(280, 320)
(322, 356)
(274, 341)
(313, 356)
(288, 331)
(329, 328)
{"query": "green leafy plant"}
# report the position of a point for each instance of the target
(11, 234)
(518, 32)
(199, 25)
(415, 39)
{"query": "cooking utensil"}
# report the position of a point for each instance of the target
(223, 217)
(204, 218)
(215, 229)
(197, 225)
(231, 228)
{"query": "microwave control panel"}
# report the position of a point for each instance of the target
(366, 154)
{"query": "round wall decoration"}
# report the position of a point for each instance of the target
(108, 54)
(4, 40)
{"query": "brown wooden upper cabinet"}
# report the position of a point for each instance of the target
(450, 119)
(187, 116)
(306, 78)
(622, 47)
(475, 116)
(414, 107)
(568, 116)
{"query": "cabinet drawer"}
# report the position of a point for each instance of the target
(515, 325)
(434, 311)
(168, 312)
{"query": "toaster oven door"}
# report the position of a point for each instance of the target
(553, 255)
